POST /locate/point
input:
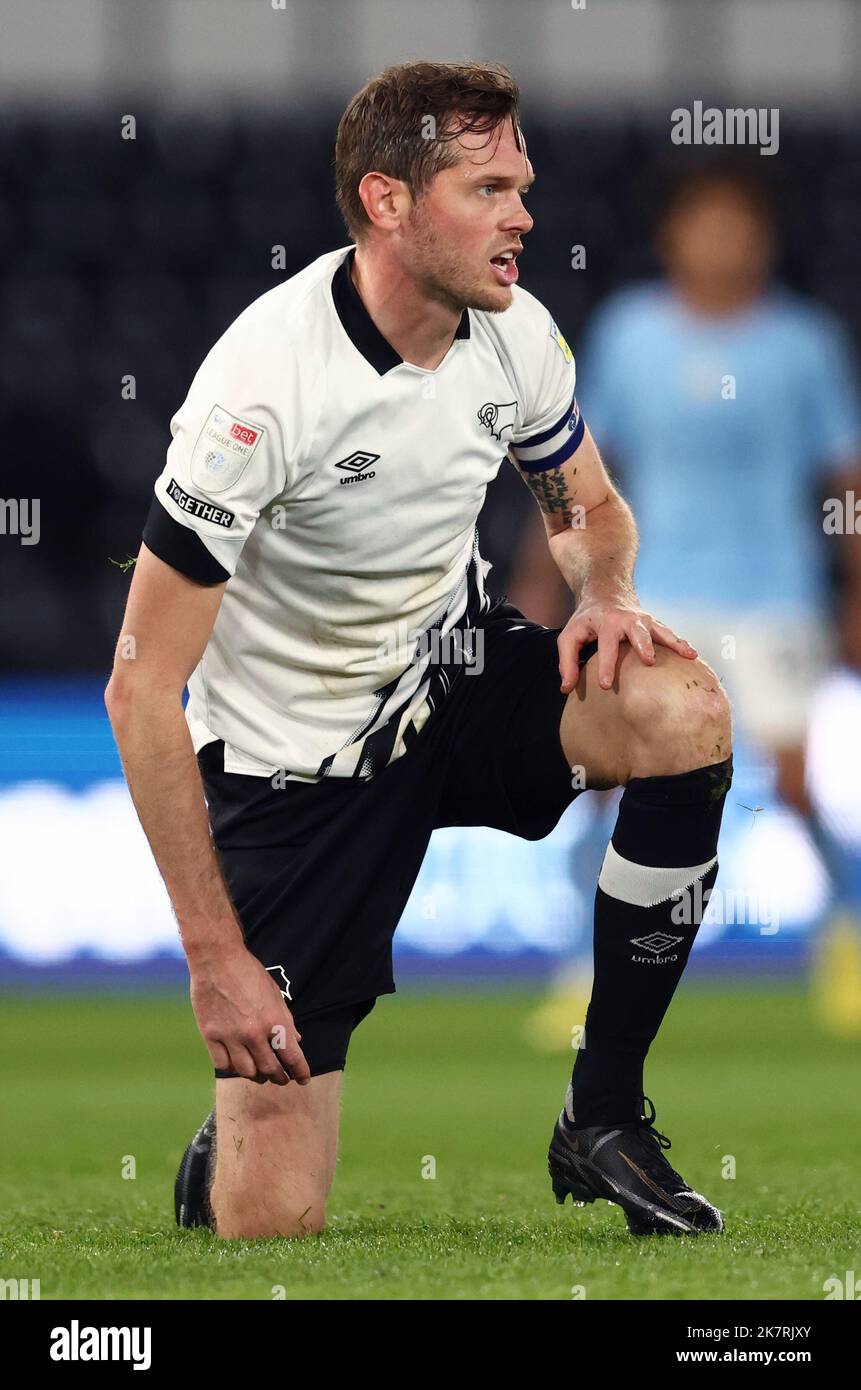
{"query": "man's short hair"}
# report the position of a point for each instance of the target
(738, 177)
(404, 122)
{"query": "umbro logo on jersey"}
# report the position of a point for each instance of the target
(498, 418)
(357, 465)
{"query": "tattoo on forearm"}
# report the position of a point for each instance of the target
(551, 492)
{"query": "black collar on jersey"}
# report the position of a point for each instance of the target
(360, 327)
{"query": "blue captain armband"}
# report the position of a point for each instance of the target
(553, 446)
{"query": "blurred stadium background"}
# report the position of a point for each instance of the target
(129, 257)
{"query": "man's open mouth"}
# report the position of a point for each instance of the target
(505, 267)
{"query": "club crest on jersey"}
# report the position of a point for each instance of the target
(224, 449)
(560, 342)
(357, 465)
(283, 983)
(498, 418)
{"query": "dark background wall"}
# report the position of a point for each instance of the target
(129, 257)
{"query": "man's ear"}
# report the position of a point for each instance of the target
(386, 201)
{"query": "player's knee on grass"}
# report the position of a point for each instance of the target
(275, 1157)
(293, 1214)
(676, 715)
(270, 1193)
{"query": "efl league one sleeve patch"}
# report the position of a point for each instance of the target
(224, 449)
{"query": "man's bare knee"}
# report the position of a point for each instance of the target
(676, 713)
(275, 1157)
(293, 1216)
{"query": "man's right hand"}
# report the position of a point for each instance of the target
(245, 1022)
(239, 1008)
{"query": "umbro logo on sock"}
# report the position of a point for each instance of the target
(658, 943)
(357, 465)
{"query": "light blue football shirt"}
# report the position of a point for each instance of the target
(723, 486)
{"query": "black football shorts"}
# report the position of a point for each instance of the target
(320, 873)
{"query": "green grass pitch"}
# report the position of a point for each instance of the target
(740, 1072)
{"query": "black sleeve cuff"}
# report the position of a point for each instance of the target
(180, 547)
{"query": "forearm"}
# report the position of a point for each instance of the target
(596, 559)
(165, 784)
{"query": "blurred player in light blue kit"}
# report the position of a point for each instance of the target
(737, 399)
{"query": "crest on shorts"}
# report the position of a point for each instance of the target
(283, 983)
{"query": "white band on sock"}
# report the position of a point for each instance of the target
(642, 885)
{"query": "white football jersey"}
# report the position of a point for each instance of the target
(336, 488)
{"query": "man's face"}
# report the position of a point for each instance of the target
(471, 215)
(718, 239)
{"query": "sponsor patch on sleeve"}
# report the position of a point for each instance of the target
(560, 342)
(195, 506)
(224, 449)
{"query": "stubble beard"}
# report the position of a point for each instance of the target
(443, 277)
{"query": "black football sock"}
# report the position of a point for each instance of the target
(653, 889)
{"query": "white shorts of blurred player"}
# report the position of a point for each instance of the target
(771, 663)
